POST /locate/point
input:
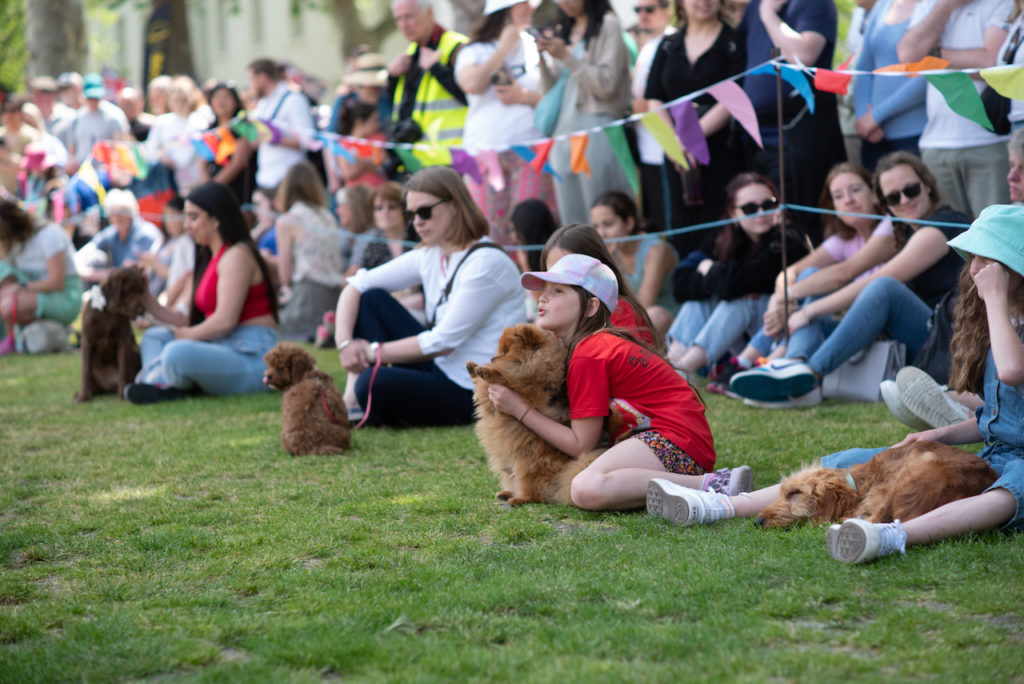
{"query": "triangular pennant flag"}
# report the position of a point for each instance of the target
(275, 132)
(87, 173)
(262, 131)
(412, 164)
(58, 205)
(732, 97)
(101, 152)
(665, 136)
(528, 155)
(227, 146)
(832, 82)
(794, 77)
(140, 163)
(466, 165)
(122, 157)
(543, 150)
(578, 154)
(962, 97)
(1006, 80)
(929, 63)
(689, 132)
(620, 146)
(339, 150)
(203, 150)
(491, 165)
(246, 129)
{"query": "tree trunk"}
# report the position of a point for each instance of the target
(179, 48)
(55, 36)
(352, 30)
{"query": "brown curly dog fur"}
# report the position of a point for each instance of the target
(314, 419)
(899, 483)
(110, 355)
(530, 361)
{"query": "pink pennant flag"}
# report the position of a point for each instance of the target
(689, 132)
(739, 106)
(466, 165)
(488, 162)
(58, 206)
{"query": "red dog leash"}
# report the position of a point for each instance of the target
(323, 402)
(369, 391)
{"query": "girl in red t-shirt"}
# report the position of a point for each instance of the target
(609, 368)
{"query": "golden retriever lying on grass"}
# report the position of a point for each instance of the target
(899, 483)
(530, 361)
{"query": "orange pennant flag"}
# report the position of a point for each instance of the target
(125, 159)
(578, 154)
(101, 152)
(929, 63)
(542, 151)
(227, 146)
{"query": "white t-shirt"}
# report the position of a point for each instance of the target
(486, 298)
(965, 30)
(650, 151)
(289, 110)
(47, 241)
(489, 123)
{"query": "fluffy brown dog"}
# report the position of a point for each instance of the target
(110, 355)
(899, 483)
(314, 419)
(530, 361)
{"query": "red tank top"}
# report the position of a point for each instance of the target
(257, 301)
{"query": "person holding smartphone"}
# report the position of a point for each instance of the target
(499, 70)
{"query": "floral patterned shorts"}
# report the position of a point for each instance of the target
(672, 457)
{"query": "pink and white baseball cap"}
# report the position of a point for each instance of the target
(578, 269)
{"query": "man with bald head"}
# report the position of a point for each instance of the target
(422, 79)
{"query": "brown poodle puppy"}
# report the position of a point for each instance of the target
(531, 361)
(110, 355)
(899, 483)
(314, 419)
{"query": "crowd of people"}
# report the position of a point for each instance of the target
(411, 273)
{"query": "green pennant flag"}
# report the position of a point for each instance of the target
(962, 97)
(246, 129)
(140, 162)
(617, 139)
(412, 164)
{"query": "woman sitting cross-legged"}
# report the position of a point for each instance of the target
(400, 371)
(897, 299)
(218, 348)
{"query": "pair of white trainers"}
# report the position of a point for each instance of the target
(854, 541)
(916, 400)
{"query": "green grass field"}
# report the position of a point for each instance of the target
(179, 542)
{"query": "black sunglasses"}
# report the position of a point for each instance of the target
(424, 212)
(646, 9)
(910, 191)
(753, 207)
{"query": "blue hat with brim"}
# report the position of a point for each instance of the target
(998, 234)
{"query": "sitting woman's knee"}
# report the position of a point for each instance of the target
(587, 491)
(881, 288)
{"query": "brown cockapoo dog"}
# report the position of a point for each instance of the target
(314, 419)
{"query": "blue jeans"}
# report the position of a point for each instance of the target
(885, 305)
(232, 364)
(716, 327)
(765, 344)
(413, 393)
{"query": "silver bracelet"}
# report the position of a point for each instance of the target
(344, 344)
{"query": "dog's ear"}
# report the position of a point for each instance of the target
(833, 498)
(301, 363)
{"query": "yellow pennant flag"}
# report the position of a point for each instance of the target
(88, 175)
(1006, 80)
(665, 137)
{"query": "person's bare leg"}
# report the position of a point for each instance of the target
(694, 359)
(985, 511)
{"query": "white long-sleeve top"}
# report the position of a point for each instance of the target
(486, 298)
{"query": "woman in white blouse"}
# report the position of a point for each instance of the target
(406, 373)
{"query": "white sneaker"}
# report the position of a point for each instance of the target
(809, 400)
(891, 396)
(684, 506)
(43, 335)
(775, 381)
(859, 541)
(927, 399)
(730, 481)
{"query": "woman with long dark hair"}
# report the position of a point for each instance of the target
(218, 348)
(235, 171)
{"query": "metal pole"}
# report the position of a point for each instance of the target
(776, 53)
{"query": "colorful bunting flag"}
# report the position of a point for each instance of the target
(340, 150)
(1008, 81)
(929, 63)
(832, 82)
(666, 137)
(620, 146)
(962, 97)
(543, 150)
(87, 173)
(466, 165)
(689, 132)
(227, 146)
(488, 161)
(140, 162)
(203, 150)
(412, 164)
(101, 152)
(528, 155)
(578, 154)
(794, 77)
(732, 97)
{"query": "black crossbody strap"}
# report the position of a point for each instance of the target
(451, 281)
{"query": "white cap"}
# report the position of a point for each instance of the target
(492, 6)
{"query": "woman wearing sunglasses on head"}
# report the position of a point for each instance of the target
(400, 371)
(897, 298)
(725, 288)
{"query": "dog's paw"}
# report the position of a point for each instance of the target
(504, 495)
(516, 501)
